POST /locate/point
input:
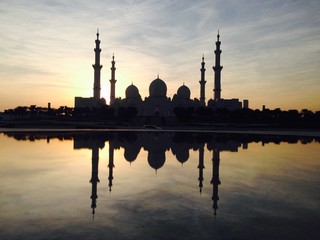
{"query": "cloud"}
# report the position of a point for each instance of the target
(261, 41)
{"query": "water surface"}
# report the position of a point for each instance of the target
(164, 185)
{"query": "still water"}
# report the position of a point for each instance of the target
(163, 185)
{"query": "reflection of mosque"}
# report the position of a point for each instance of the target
(156, 144)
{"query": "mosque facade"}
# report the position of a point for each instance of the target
(158, 103)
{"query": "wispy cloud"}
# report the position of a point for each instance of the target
(264, 44)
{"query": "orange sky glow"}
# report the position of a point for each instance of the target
(270, 50)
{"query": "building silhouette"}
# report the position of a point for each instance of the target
(218, 102)
(94, 101)
(202, 84)
(97, 69)
(158, 103)
(217, 70)
(113, 81)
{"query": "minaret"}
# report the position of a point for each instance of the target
(202, 83)
(97, 69)
(217, 70)
(112, 81)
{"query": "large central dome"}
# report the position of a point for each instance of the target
(158, 88)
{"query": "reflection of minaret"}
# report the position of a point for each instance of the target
(97, 69)
(112, 81)
(201, 167)
(110, 165)
(94, 177)
(217, 71)
(215, 179)
(202, 83)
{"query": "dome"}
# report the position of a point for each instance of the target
(132, 92)
(184, 92)
(211, 102)
(103, 101)
(158, 88)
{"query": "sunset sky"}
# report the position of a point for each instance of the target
(270, 49)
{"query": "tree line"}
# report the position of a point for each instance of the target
(289, 118)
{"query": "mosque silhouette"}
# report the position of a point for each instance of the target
(157, 103)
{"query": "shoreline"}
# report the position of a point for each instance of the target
(278, 132)
(97, 126)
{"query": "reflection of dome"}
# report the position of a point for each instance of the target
(156, 159)
(158, 88)
(130, 154)
(184, 92)
(132, 92)
(183, 156)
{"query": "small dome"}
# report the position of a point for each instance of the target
(211, 102)
(184, 92)
(103, 101)
(132, 92)
(158, 88)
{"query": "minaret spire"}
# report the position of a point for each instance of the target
(97, 69)
(217, 70)
(113, 81)
(202, 83)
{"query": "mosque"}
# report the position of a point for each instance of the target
(157, 103)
